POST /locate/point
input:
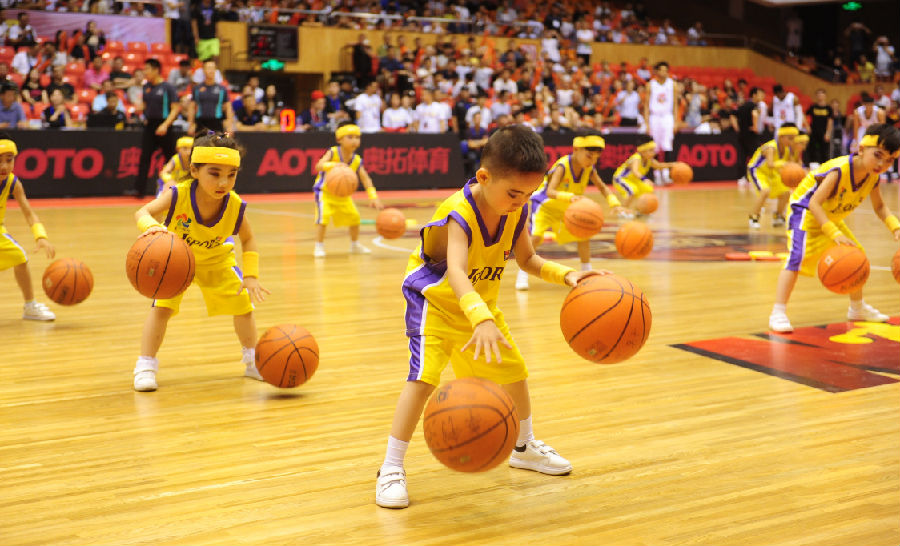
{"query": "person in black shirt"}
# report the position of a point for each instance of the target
(747, 116)
(56, 82)
(821, 125)
(161, 108)
(203, 23)
(211, 110)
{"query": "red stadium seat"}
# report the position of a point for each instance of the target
(37, 109)
(75, 68)
(79, 111)
(136, 47)
(17, 78)
(159, 49)
(114, 46)
(7, 51)
(133, 58)
(86, 95)
(178, 57)
(45, 80)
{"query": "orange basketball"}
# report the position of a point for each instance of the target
(390, 223)
(471, 424)
(681, 173)
(287, 356)
(341, 181)
(647, 203)
(792, 174)
(843, 269)
(584, 218)
(634, 240)
(605, 319)
(895, 266)
(67, 281)
(160, 265)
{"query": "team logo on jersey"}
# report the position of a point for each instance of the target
(505, 255)
(836, 357)
(183, 221)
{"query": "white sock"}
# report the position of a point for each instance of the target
(147, 363)
(585, 266)
(857, 305)
(320, 246)
(248, 355)
(522, 275)
(779, 308)
(31, 302)
(526, 433)
(354, 243)
(396, 452)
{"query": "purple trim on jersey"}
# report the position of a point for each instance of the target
(751, 174)
(240, 218)
(13, 241)
(807, 197)
(172, 206)
(482, 227)
(413, 285)
(443, 222)
(618, 182)
(852, 179)
(523, 216)
(3, 185)
(194, 208)
(238, 271)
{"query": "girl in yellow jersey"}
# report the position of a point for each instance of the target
(341, 210)
(763, 173)
(818, 207)
(451, 287)
(632, 178)
(178, 168)
(207, 215)
(12, 255)
(563, 185)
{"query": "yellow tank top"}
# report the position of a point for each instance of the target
(568, 183)
(6, 188)
(426, 287)
(355, 163)
(625, 170)
(180, 173)
(212, 243)
(847, 194)
(758, 159)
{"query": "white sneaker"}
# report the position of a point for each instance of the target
(390, 488)
(318, 252)
(356, 248)
(522, 281)
(145, 376)
(37, 311)
(539, 457)
(777, 221)
(778, 322)
(867, 314)
(754, 222)
(251, 371)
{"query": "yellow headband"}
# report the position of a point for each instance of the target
(801, 139)
(788, 131)
(8, 147)
(219, 155)
(865, 142)
(346, 130)
(590, 141)
(184, 142)
(647, 146)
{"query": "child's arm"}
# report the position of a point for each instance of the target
(324, 163)
(166, 173)
(370, 189)
(555, 178)
(250, 258)
(37, 228)
(661, 164)
(826, 187)
(486, 337)
(611, 199)
(553, 272)
(769, 155)
(883, 212)
(147, 217)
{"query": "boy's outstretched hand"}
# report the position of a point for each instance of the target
(487, 339)
(574, 277)
(46, 246)
(256, 290)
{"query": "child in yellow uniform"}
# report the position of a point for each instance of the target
(632, 179)
(818, 207)
(178, 168)
(451, 288)
(763, 174)
(564, 184)
(11, 253)
(801, 142)
(207, 215)
(341, 210)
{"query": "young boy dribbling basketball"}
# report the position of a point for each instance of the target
(632, 178)
(451, 288)
(564, 184)
(763, 173)
(207, 214)
(178, 168)
(341, 210)
(11, 254)
(818, 207)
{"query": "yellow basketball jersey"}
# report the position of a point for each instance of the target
(426, 288)
(6, 188)
(625, 170)
(758, 159)
(568, 183)
(213, 242)
(355, 163)
(180, 173)
(847, 194)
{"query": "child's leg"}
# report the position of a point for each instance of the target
(319, 249)
(354, 233)
(23, 279)
(147, 365)
(409, 409)
(584, 254)
(355, 246)
(860, 310)
(778, 320)
(760, 201)
(531, 454)
(245, 328)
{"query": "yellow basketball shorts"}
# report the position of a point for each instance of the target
(629, 186)
(223, 292)
(807, 243)
(549, 217)
(11, 254)
(763, 180)
(430, 353)
(341, 211)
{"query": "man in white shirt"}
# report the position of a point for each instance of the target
(501, 105)
(429, 116)
(659, 112)
(786, 108)
(25, 60)
(504, 83)
(480, 107)
(368, 109)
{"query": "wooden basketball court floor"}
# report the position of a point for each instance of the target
(714, 434)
